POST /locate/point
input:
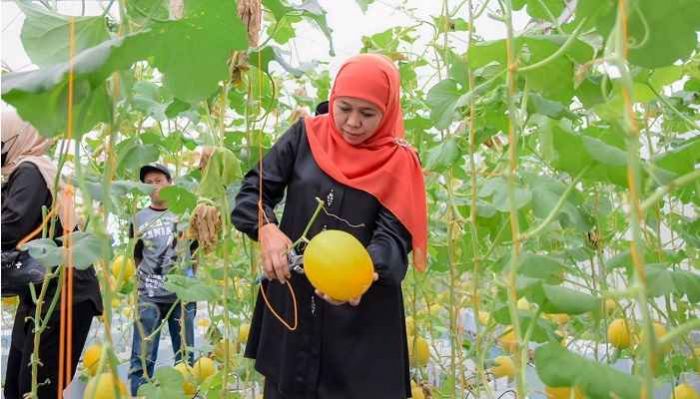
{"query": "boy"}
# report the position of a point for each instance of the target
(156, 253)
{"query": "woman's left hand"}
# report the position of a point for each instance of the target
(352, 302)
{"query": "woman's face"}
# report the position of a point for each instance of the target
(357, 120)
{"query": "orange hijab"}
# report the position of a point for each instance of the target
(384, 166)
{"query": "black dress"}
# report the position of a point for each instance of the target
(337, 351)
(23, 196)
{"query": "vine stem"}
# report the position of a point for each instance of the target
(561, 50)
(674, 184)
(474, 230)
(67, 251)
(688, 121)
(455, 344)
(680, 332)
(303, 237)
(513, 127)
(557, 207)
(636, 212)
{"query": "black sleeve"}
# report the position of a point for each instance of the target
(26, 192)
(138, 247)
(389, 248)
(278, 166)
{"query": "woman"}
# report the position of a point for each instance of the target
(28, 178)
(355, 159)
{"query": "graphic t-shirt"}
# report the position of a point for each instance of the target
(158, 250)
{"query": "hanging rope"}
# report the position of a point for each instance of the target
(262, 219)
(39, 229)
(65, 351)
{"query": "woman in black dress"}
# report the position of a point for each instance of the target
(28, 178)
(355, 160)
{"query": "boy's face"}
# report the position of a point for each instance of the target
(158, 180)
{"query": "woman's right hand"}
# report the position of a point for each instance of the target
(274, 245)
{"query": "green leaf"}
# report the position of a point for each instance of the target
(592, 9)
(687, 283)
(598, 381)
(555, 80)
(179, 199)
(604, 153)
(317, 14)
(624, 258)
(41, 98)
(443, 156)
(497, 189)
(45, 34)
(443, 100)
(46, 251)
(536, 9)
(552, 109)
(176, 107)
(136, 156)
(147, 98)
(167, 384)
(542, 331)
(459, 68)
(118, 189)
(145, 12)
(86, 250)
(663, 281)
(277, 8)
(546, 194)
(261, 85)
(364, 4)
(284, 31)
(589, 92)
(563, 149)
(680, 160)
(310, 9)
(122, 187)
(651, 25)
(665, 76)
(272, 53)
(541, 267)
(447, 387)
(659, 280)
(446, 24)
(688, 228)
(558, 299)
(208, 34)
(190, 289)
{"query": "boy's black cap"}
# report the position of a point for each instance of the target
(154, 167)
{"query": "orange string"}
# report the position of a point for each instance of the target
(38, 230)
(262, 218)
(65, 354)
(277, 315)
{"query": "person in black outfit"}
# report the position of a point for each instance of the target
(355, 160)
(28, 176)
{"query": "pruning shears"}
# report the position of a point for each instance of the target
(295, 262)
